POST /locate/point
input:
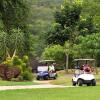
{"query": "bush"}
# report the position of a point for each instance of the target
(16, 69)
(16, 61)
(8, 62)
(7, 73)
(27, 76)
(25, 59)
(24, 67)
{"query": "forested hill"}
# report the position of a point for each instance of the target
(42, 13)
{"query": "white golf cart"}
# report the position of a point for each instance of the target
(83, 76)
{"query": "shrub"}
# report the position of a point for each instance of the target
(16, 61)
(13, 67)
(8, 62)
(25, 59)
(24, 68)
(27, 76)
(7, 73)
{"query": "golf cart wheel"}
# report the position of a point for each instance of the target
(38, 78)
(55, 78)
(80, 82)
(46, 77)
(88, 84)
(73, 83)
(93, 82)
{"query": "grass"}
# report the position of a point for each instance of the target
(10, 83)
(78, 93)
(63, 79)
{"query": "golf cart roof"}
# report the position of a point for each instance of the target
(47, 60)
(84, 59)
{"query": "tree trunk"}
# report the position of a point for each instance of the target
(67, 62)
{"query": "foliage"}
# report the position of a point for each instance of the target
(9, 43)
(27, 76)
(55, 52)
(70, 22)
(66, 20)
(40, 22)
(90, 44)
(48, 23)
(69, 14)
(25, 58)
(37, 44)
(88, 47)
(14, 63)
(87, 27)
(14, 13)
(7, 73)
(56, 34)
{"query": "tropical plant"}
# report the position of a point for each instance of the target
(11, 43)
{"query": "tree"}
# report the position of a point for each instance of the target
(56, 34)
(88, 46)
(67, 49)
(66, 21)
(87, 26)
(55, 52)
(70, 22)
(14, 14)
(60, 54)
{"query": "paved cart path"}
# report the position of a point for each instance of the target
(32, 87)
(41, 84)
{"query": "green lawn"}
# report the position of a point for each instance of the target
(78, 93)
(10, 83)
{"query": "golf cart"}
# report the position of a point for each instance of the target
(83, 74)
(43, 72)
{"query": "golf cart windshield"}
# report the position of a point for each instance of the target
(43, 65)
(84, 65)
(80, 62)
(42, 68)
